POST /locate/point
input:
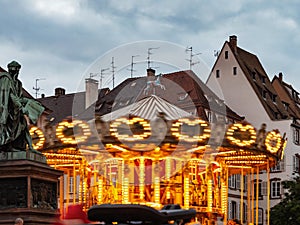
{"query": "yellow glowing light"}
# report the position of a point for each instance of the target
(224, 197)
(38, 138)
(142, 127)
(209, 196)
(157, 190)
(100, 191)
(273, 141)
(241, 135)
(126, 191)
(186, 193)
(81, 130)
(201, 130)
(72, 132)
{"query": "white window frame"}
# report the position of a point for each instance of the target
(275, 189)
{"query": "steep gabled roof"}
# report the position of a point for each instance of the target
(260, 83)
(288, 95)
(182, 89)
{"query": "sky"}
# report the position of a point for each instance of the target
(60, 43)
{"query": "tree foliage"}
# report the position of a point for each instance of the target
(287, 212)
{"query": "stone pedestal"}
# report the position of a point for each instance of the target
(28, 188)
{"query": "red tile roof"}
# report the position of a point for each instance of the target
(182, 89)
(261, 84)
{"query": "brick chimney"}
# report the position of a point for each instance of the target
(59, 91)
(233, 43)
(150, 72)
(280, 75)
(91, 91)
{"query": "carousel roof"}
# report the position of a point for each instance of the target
(149, 108)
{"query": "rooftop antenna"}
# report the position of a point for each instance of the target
(190, 60)
(132, 64)
(93, 75)
(36, 88)
(216, 53)
(113, 71)
(148, 57)
(102, 76)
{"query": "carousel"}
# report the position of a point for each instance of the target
(161, 156)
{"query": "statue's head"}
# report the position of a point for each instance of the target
(14, 68)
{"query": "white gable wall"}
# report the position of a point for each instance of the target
(235, 90)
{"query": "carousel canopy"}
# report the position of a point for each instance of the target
(148, 108)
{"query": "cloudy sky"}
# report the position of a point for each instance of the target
(59, 41)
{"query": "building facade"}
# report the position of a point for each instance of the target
(240, 80)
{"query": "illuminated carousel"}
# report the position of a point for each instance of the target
(155, 158)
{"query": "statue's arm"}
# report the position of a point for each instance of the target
(16, 101)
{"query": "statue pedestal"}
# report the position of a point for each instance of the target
(28, 188)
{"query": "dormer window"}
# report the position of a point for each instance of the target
(182, 96)
(264, 94)
(274, 98)
(286, 105)
(226, 54)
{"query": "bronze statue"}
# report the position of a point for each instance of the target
(14, 132)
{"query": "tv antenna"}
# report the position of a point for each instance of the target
(36, 88)
(132, 64)
(148, 57)
(216, 53)
(190, 60)
(93, 75)
(102, 76)
(113, 71)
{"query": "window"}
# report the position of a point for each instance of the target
(217, 73)
(263, 79)
(295, 164)
(226, 54)
(232, 181)
(264, 94)
(209, 116)
(254, 76)
(277, 167)
(238, 181)
(296, 136)
(182, 96)
(234, 70)
(275, 189)
(260, 216)
(286, 105)
(232, 210)
(274, 98)
(71, 183)
(259, 190)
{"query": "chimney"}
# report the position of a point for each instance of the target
(280, 76)
(91, 91)
(59, 91)
(233, 43)
(150, 72)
